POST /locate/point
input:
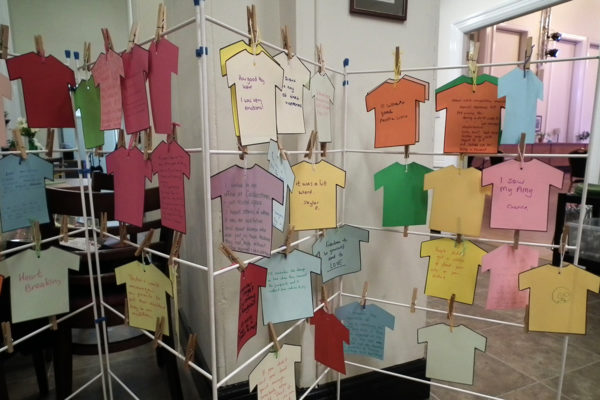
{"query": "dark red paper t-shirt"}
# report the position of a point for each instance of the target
(163, 61)
(330, 334)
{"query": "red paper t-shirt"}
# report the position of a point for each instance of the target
(330, 334)
(107, 72)
(130, 171)
(163, 61)
(45, 82)
(133, 88)
(251, 279)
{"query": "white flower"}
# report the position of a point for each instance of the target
(21, 123)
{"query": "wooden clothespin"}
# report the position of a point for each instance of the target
(320, 59)
(324, 298)
(190, 350)
(19, 143)
(173, 136)
(126, 311)
(133, 33)
(472, 62)
(39, 45)
(459, 238)
(4, 29)
(564, 240)
(252, 25)
(7, 334)
(397, 64)
(528, 54)
(158, 331)
(37, 237)
(145, 243)
(147, 143)
(121, 141)
(288, 241)
(64, 228)
(312, 142)
(103, 225)
(232, 257)
(324, 149)
(53, 323)
(516, 240)
(286, 42)
(108, 45)
(521, 149)
(50, 142)
(282, 152)
(273, 337)
(161, 22)
(450, 314)
(321, 234)
(526, 319)
(122, 232)
(413, 300)
(99, 151)
(175, 246)
(405, 232)
(241, 148)
(363, 298)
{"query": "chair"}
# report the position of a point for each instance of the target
(577, 166)
(68, 202)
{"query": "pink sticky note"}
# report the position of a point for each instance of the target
(252, 278)
(130, 171)
(505, 264)
(520, 196)
(107, 72)
(171, 162)
(163, 61)
(133, 88)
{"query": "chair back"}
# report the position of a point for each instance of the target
(578, 164)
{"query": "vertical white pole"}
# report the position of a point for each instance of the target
(202, 65)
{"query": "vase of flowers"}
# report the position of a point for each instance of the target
(28, 135)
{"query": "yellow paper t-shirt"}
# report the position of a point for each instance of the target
(313, 202)
(452, 268)
(557, 301)
(458, 200)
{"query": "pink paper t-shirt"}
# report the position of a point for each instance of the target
(520, 197)
(163, 61)
(107, 72)
(505, 264)
(133, 87)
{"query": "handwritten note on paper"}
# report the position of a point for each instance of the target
(146, 287)
(133, 89)
(171, 162)
(322, 91)
(281, 168)
(39, 286)
(246, 207)
(274, 375)
(452, 268)
(23, 191)
(251, 279)
(107, 72)
(339, 251)
(290, 100)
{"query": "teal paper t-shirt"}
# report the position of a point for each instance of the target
(404, 201)
(87, 100)
(522, 93)
(339, 251)
(39, 286)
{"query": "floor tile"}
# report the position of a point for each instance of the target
(536, 391)
(581, 384)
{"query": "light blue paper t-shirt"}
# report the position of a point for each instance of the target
(288, 293)
(339, 251)
(367, 328)
(280, 168)
(522, 93)
(23, 191)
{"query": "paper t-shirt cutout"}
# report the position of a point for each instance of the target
(290, 99)
(367, 328)
(505, 264)
(280, 168)
(107, 73)
(133, 89)
(330, 335)
(171, 162)
(23, 191)
(252, 277)
(39, 286)
(452, 268)
(256, 78)
(146, 299)
(522, 92)
(274, 374)
(451, 355)
(339, 251)
(472, 119)
(163, 60)
(5, 92)
(225, 54)
(246, 207)
(558, 301)
(458, 200)
(87, 100)
(130, 171)
(288, 294)
(45, 82)
(404, 201)
(520, 197)
(313, 203)
(322, 91)
(396, 110)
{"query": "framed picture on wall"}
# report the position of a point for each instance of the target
(395, 9)
(538, 123)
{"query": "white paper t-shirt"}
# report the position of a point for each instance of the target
(322, 91)
(290, 100)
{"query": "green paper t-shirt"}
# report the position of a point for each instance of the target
(87, 100)
(404, 201)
